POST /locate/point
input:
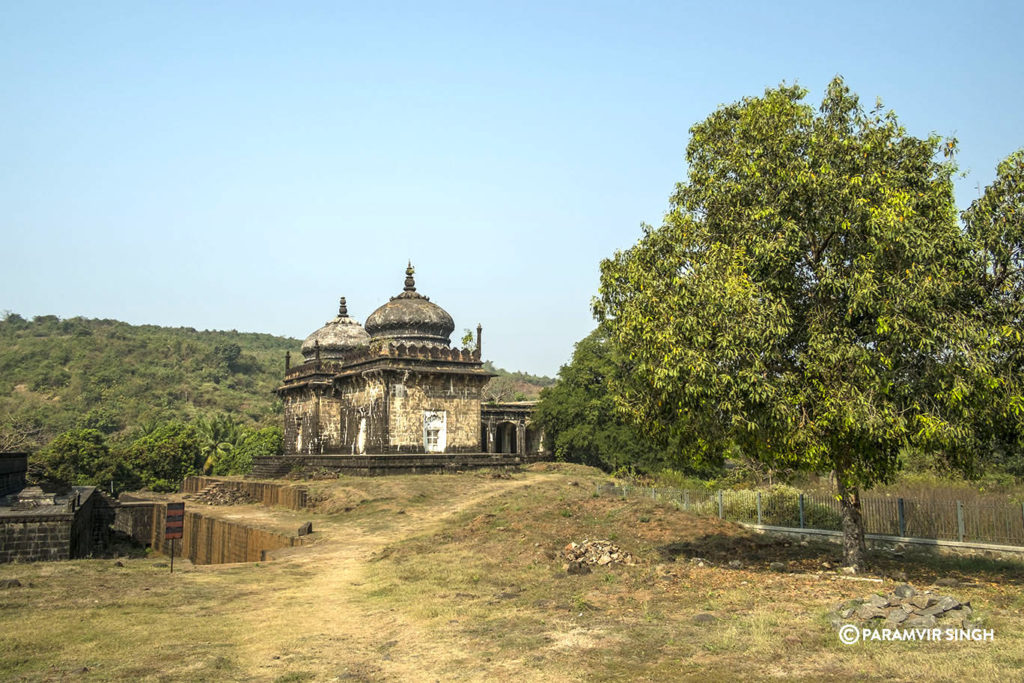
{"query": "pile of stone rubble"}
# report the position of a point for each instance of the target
(218, 494)
(905, 607)
(580, 557)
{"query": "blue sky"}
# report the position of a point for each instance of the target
(240, 165)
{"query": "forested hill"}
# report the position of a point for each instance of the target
(60, 374)
(57, 375)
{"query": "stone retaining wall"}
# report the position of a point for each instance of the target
(12, 472)
(205, 540)
(372, 465)
(50, 532)
(267, 493)
(36, 538)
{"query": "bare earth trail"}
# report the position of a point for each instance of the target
(321, 623)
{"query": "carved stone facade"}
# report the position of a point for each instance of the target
(396, 386)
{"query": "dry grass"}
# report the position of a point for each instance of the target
(456, 577)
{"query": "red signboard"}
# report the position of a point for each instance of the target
(175, 520)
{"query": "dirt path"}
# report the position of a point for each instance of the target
(320, 622)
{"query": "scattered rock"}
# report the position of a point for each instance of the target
(922, 600)
(948, 582)
(704, 618)
(904, 591)
(10, 583)
(306, 529)
(735, 564)
(589, 553)
(904, 607)
(777, 567)
(916, 621)
(223, 493)
(878, 601)
(868, 612)
(897, 616)
(577, 568)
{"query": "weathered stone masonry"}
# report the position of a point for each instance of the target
(40, 525)
(395, 387)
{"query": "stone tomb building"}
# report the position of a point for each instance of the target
(395, 386)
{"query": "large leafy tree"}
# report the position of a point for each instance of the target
(163, 458)
(579, 417)
(805, 298)
(81, 457)
(995, 224)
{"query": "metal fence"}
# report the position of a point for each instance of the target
(992, 522)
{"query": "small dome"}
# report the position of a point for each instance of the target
(411, 318)
(335, 337)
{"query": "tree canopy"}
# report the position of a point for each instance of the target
(580, 420)
(810, 297)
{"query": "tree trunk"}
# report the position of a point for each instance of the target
(853, 526)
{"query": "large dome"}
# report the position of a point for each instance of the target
(335, 337)
(411, 318)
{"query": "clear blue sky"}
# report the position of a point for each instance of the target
(239, 165)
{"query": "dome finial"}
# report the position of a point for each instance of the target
(342, 308)
(410, 284)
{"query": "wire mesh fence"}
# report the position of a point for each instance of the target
(945, 520)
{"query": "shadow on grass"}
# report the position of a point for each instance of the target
(922, 565)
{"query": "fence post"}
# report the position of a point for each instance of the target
(801, 511)
(901, 516)
(759, 507)
(686, 500)
(721, 508)
(960, 521)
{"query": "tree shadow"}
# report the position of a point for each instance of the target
(918, 564)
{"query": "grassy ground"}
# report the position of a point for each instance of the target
(457, 577)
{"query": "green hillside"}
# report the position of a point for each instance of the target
(58, 374)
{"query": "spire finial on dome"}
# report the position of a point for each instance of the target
(342, 308)
(410, 284)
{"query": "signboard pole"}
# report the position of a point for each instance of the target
(175, 526)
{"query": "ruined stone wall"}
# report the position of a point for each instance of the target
(302, 422)
(398, 463)
(205, 540)
(329, 424)
(81, 532)
(292, 497)
(458, 397)
(12, 472)
(50, 533)
(35, 538)
(363, 407)
(134, 519)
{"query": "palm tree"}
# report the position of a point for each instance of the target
(220, 435)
